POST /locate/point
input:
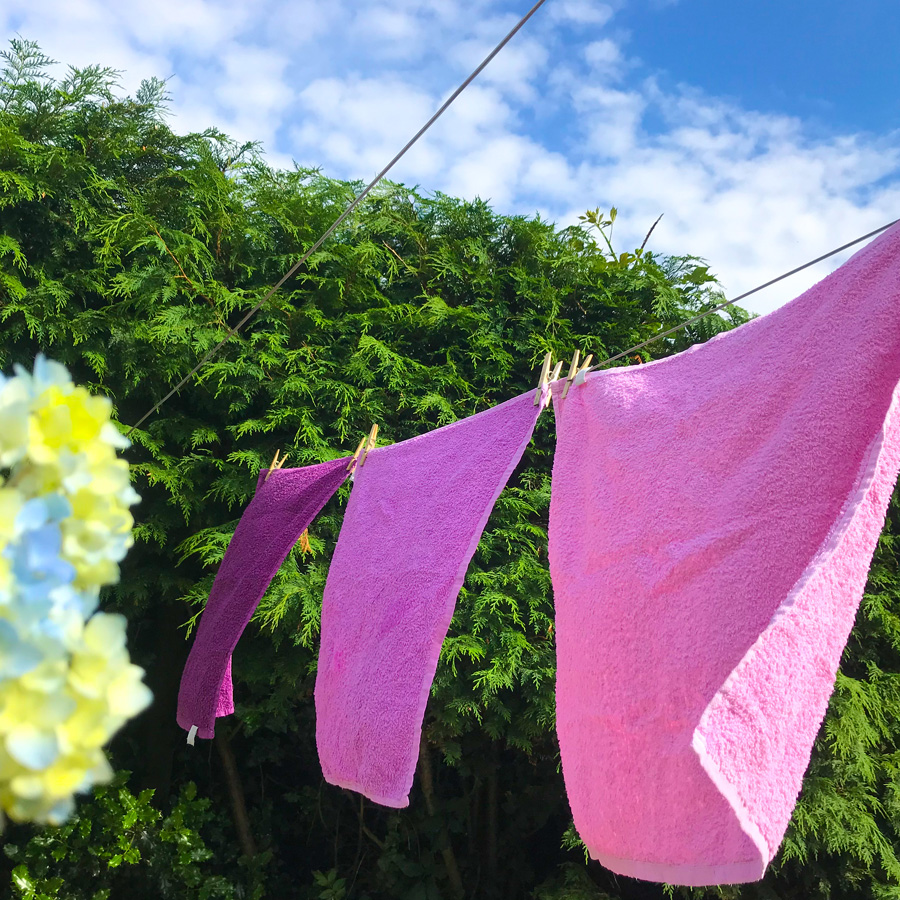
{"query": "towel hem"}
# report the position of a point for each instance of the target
(688, 874)
(861, 489)
(380, 799)
(729, 792)
(204, 732)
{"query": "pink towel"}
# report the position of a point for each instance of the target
(279, 513)
(713, 518)
(416, 513)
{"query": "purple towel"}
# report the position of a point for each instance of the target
(415, 516)
(712, 522)
(279, 513)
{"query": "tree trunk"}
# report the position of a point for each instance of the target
(426, 779)
(236, 793)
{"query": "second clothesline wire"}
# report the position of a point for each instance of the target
(760, 287)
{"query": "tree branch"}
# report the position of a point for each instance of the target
(236, 793)
(651, 231)
(184, 275)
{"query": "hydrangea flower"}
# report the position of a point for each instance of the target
(66, 681)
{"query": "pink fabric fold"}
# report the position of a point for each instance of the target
(712, 522)
(415, 516)
(281, 510)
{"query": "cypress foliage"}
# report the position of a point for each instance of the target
(127, 251)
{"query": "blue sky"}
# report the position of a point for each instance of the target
(838, 71)
(768, 133)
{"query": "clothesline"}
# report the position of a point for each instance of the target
(369, 187)
(584, 369)
(353, 204)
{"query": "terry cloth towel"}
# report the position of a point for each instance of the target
(415, 516)
(281, 510)
(712, 521)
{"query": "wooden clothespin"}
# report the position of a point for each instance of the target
(573, 368)
(577, 373)
(355, 458)
(545, 376)
(276, 464)
(553, 376)
(581, 374)
(370, 445)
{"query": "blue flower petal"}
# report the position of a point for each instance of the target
(32, 748)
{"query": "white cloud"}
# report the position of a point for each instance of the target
(608, 119)
(384, 22)
(604, 57)
(253, 91)
(515, 70)
(358, 124)
(297, 24)
(481, 108)
(560, 121)
(197, 26)
(581, 12)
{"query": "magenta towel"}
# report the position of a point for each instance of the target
(281, 510)
(415, 516)
(712, 522)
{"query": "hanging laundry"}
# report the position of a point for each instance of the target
(281, 510)
(712, 522)
(415, 516)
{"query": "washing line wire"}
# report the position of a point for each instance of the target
(353, 204)
(709, 312)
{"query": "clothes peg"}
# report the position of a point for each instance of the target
(581, 374)
(276, 464)
(370, 445)
(573, 369)
(553, 376)
(545, 372)
(355, 456)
